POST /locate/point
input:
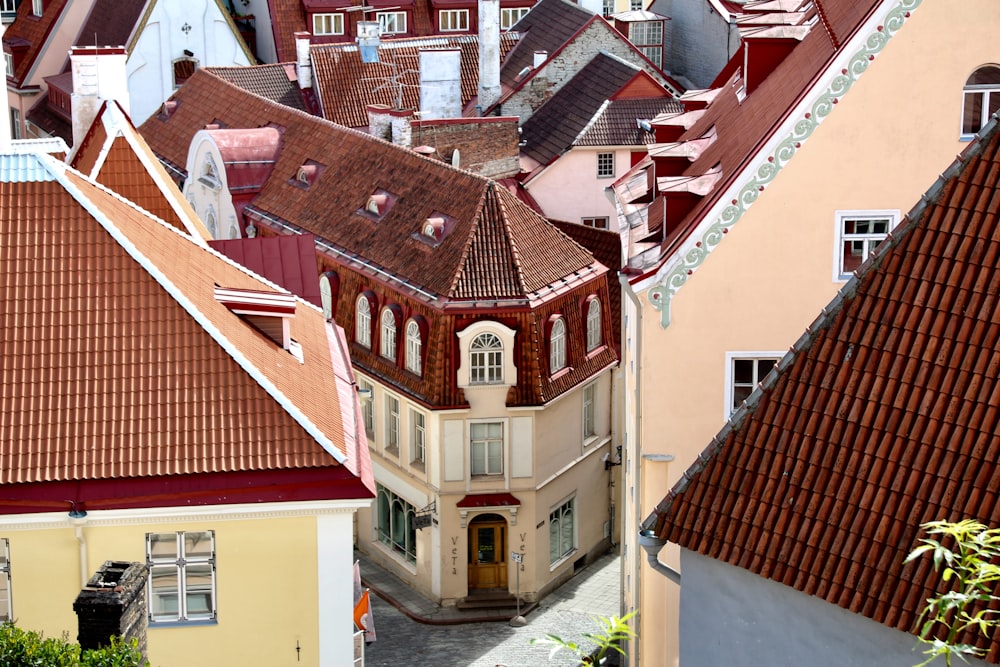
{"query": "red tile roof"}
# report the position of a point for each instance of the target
(547, 27)
(287, 18)
(28, 34)
(883, 416)
(275, 82)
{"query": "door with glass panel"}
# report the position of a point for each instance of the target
(487, 552)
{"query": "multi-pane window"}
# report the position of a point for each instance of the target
(487, 448)
(859, 236)
(980, 99)
(486, 359)
(605, 165)
(363, 322)
(597, 222)
(746, 374)
(8, 59)
(562, 531)
(391, 22)
(654, 53)
(557, 346)
(635, 5)
(391, 422)
(593, 325)
(6, 608)
(453, 20)
(418, 436)
(414, 347)
(36, 7)
(508, 17)
(328, 24)
(326, 287)
(181, 576)
(589, 415)
(367, 407)
(395, 524)
(607, 8)
(388, 337)
(646, 32)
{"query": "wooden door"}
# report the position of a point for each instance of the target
(488, 555)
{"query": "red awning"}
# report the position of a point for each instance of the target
(488, 500)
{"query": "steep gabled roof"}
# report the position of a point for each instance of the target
(547, 27)
(616, 124)
(28, 34)
(121, 364)
(883, 416)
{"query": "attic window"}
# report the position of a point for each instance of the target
(183, 69)
(270, 313)
(307, 174)
(378, 204)
(435, 228)
(168, 109)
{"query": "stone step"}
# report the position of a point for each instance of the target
(490, 600)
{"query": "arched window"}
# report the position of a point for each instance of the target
(486, 359)
(981, 98)
(210, 224)
(329, 284)
(557, 346)
(593, 325)
(387, 345)
(363, 322)
(414, 347)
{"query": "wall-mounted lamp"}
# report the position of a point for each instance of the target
(189, 53)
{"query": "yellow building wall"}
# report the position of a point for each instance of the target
(882, 147)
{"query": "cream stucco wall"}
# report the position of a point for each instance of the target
(883, 145)
(569, 188)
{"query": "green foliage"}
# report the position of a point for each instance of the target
(615, 630)
(966, 554)
(24, 648)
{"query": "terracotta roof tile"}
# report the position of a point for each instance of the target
(287, 18)
(904, 431)
(274, 82)
(30, 32)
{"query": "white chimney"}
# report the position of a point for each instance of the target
(539, 59)
(98, 76)
(440, 83)
(489, 53)
(303, 62)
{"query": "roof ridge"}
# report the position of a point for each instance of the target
(463, 260)
(515, 251)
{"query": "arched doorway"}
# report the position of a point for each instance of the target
(487, 552)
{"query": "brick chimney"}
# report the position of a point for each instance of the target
(303, 61)
(440, 83)
(113, 603)
(489, 53)
(98, 75)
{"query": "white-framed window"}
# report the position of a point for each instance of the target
(418, 436)
(635, 5)
(367, 407)
(562, 531)
(8, 60)
(486, 359)
(744, 371)
(395, 526)
(646, 33)
(589, 411)
(387, 341)
(328, 24)
(487, 448)
(605, 165)
(453, 20)
(607, 8)
(37, 7)
(593, 325)
(6, 605)
(391, 422)
(858, 234)
(510, 16)
(654, 53)
(363, 322)
(327, 282)
(597, 222)
(414, 347)
(391, 22)
(181, 576)
(980, 99)
(557, 346)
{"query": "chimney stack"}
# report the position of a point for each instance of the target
(98, 76)
(440, 83)
(303, 61)
(489, 53)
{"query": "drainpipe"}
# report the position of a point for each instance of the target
(78, 519)
(651, 544)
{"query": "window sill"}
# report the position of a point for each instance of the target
(418, 465)
(562, 560)
(565, 370)
(596, 351)
(392, 450)
(392, 553)
(181, 624)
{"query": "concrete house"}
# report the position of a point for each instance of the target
(753, 209)
(796, 519)
(481, 336)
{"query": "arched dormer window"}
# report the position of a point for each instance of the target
(593, 324)
(980, 99)
(388, 327)
(414, 347)
(557, 345)
(486, 359)
(329, 286)
(363, 321)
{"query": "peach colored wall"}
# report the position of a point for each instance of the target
(882, 147)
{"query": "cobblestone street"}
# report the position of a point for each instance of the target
(568, 612)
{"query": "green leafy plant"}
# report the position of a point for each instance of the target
(615, 630)
(966, 553)
(25, 648)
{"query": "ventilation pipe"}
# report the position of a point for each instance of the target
(303, 61)
(98, 76)
(652, 545)
(489, 53)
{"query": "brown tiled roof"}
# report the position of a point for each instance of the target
(119, 361)
(616, 124)
(110, 23)
(32, 32)
(274, 82)
(347, 86)
(547, 27)
(884, 415)
(287, 18)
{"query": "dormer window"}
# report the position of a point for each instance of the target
(435, 228)
(557, 345)
(486, 359)
(363, 321)
(328, 24)
(8, 59)
(593, 324)
(415, 329)
(389, 325)
(270, 313)
(307, 174)
(378, 204)
(329, 286)
(37, 7)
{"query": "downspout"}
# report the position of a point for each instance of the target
(78, 525)
(651, 544)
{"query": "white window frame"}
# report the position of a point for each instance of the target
(605, 165)
(596, 221)
(593, 325)
(653, 53)
(486, 449)
(646, 33)
(589, 411)
(757, 377)
(391, 23)
(328, 24)
(387, 339)
(178, 564)
(868, 240)
(363, 322)
(326, 296)
(391, 422)
(509, 16)
(6, 601)
(486, 359)
(37, 7)
(453, 20)
(562, 545)
(414, 347)
(367, 390)
(607, 8)
(985, 92)
(400, 535)
(635, 5)
(557, 346)
(418, 436)
(8, 59)
(8, 6)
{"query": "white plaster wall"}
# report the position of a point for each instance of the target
(335, 582)
(570, 190)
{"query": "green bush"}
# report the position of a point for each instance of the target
(24, 648)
